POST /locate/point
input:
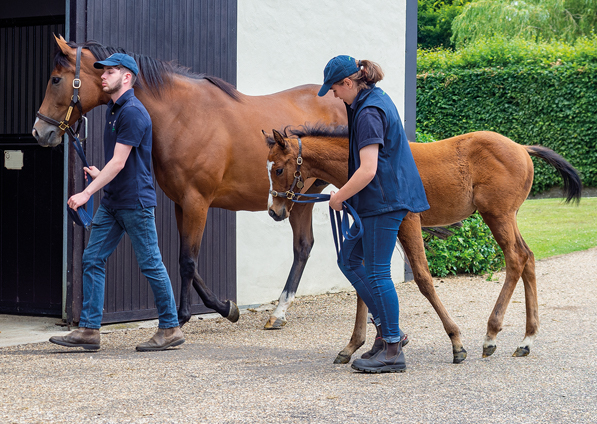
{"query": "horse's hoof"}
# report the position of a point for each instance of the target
(488, 350)
(275, 323)
(183, 319)
(342, 358)
(522, 351)
(234, 313)
(459, 356)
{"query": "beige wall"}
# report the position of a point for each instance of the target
(282, 44)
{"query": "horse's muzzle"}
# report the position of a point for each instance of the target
(46, 137)
(278, 217)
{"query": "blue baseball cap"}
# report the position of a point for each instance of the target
(119, 59)
(337, 69)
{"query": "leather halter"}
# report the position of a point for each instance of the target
(298, 179)
(75, 101)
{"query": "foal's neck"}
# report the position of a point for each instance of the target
(326, 158)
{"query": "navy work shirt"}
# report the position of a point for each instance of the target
(373, 119)
(128, 122)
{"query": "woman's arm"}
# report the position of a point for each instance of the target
(359, 180)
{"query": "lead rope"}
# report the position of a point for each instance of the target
(340, 221)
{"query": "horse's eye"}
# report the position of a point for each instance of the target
(279, 171)
(56, 80)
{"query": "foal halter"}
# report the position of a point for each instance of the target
(75, 100)
(298, 179)
(340, 222)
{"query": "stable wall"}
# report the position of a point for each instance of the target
(282, 44)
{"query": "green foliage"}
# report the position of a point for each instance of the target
(501, 52)
(546, 20)
(434, 22)
(545, 96)
(472, 249)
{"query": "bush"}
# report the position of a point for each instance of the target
(472, 249)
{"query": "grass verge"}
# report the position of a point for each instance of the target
(550, 227)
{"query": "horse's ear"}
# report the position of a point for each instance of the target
(279, 139)
(269, 139)
(62, 44)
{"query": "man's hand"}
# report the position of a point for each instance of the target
(92, 171)
(77, 200)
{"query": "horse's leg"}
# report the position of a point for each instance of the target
(519, 262)
(412, 242)
(302, 232)
(191, 223)
(359, 334)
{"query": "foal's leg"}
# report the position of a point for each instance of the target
(518, 256)
(359, 334)
(412, 242)
(302, 232)
(191, 223)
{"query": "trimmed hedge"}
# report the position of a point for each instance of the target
(551, 104)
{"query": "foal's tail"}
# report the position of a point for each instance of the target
(572, 184)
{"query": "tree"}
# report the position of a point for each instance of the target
(434, 25)
(544, 20)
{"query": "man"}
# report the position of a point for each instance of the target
(128, 206)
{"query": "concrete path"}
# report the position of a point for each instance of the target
(239, 373)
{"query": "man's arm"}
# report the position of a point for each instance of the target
(103, 177)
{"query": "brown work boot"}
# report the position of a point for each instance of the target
(87, 338)
(378, 343)
(163, 339)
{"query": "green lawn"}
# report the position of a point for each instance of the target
(550, 227)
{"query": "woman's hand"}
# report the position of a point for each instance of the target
(335, 201)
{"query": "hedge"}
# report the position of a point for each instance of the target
(532, 102)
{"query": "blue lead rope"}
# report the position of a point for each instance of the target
(82, 217)
(340, 221)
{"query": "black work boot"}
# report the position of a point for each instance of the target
(378, 343)
(380, 362)
(87, 338)
(163, 339)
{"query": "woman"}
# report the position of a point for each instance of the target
(383, 186)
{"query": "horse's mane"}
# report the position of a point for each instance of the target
(154, 74)
(316, 130)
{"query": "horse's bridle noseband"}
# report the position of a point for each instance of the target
(75, 101)
(298, 179)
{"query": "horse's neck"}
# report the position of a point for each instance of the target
(326, 159)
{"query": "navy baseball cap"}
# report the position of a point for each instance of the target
(337, 69)
(119, 59)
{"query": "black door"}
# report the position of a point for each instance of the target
(31, 177)
(199, 34)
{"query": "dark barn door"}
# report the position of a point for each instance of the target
(199, 34)
(31, 177)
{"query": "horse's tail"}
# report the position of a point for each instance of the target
(572, 183)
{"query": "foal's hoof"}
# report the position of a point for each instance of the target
(275, 323)
(183, 319)
(459, 356)
(234, 313)
(488, 350)
(342, 358)
(522, 351)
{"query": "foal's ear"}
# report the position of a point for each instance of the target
(269, 139)
(279, 139)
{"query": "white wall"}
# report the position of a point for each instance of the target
(282, 44)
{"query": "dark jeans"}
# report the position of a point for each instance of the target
(109, 225)
(366, 264)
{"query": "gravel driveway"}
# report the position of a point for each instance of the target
(232, 373)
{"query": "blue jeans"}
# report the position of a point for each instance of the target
(109, 225)
(366, 264)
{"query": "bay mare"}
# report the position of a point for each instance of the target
(208, 148)
(481, 171)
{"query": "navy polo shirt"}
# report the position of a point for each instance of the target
(128, 122)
